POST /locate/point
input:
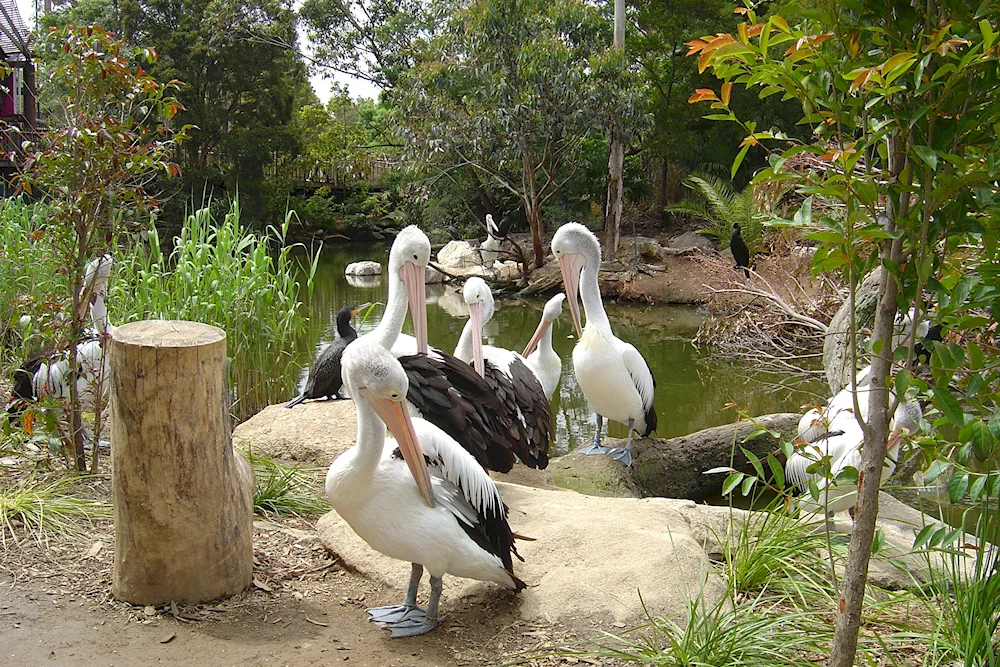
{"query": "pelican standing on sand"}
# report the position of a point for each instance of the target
(541, 357)
(420, 498)
(612, 374)
(324, 376)
(443, 389)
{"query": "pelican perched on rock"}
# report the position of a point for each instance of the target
(541, 357)
(612, 374)
(420, 497)
(46, 375)
(443, 389)
(324, 376)
(489, 249)
(840, 445)
(506, 371)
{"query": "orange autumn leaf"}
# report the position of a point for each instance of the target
(727, 90)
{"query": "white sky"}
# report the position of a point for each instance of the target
(356, 87)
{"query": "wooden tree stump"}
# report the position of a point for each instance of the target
(183, 499)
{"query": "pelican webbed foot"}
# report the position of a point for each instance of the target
(595, 450)
(396, 613)
(411, 627)
(622, 455)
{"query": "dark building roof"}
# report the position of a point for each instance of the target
(13, 32)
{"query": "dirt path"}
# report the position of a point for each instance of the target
(56, 609)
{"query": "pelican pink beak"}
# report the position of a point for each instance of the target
(476, 315)
(413, 277)
(535, 337)
(397, 420)
(570, 266)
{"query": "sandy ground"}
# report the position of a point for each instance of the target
(303, 609)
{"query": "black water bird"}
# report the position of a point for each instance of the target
(324, 376)
(741, 253)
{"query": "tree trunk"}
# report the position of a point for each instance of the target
(616, 160)
(661, 191)
(182, 497)
(533, 208)
(848, 620)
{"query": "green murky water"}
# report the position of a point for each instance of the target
(692, 388)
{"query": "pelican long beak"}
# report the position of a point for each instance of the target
(397, 420)
(895, 438)
(476, 315)
(570, 266)
(416, 296)
(535, 337)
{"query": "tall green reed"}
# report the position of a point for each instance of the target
(32, 284)
(223, 274)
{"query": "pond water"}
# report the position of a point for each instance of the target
(693, 389)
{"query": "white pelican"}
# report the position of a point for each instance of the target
(420, 498)
(324, 376)
(815, 423)
(840, 446)
(444, 390)
(506, 371)
(489, 249)
(541, 357)
(46, 375)
(612, 374)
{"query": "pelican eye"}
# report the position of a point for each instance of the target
(414, 255)
(394, 395)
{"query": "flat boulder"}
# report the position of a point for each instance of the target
(692, 240)
(312, 433)
(591, 560)
(363, 269)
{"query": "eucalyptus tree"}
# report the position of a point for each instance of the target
(901, 100)
(374, 40)
(510, 89)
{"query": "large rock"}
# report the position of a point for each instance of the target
(312, 433)
(675, 467)
(836, 346)
(591, 560)
(363, 269)
(693, 240)
(458, 256)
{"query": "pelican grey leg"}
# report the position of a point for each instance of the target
(624, 454)
(413, 626)
(409, 609)
(596, 448)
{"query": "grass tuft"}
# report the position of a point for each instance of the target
(35, 507)
(283, 490)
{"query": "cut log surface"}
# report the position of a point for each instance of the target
(183, 498)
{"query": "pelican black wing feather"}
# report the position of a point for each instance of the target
(651, 411)
(451, 395)
(538, 418)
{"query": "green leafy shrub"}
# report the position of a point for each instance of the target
(721, 206)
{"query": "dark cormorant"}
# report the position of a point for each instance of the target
(324, 376)
(740, 251)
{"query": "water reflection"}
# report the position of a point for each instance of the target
(692, 390)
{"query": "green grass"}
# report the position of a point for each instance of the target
(964, 596)
(755, 633)
(773, 549)
(283, 490)
(37, 508)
